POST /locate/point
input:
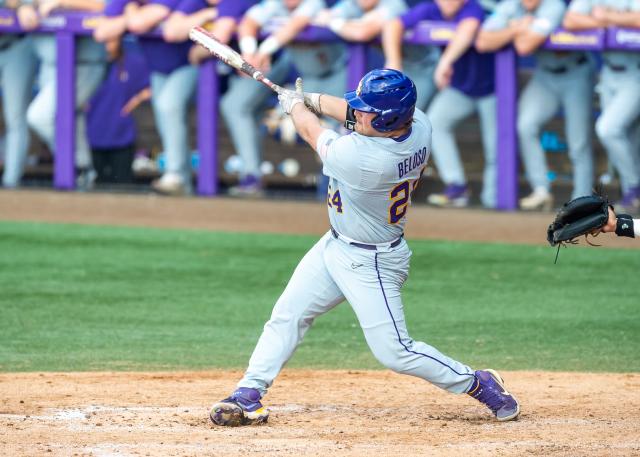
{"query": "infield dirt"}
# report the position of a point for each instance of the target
(318, 413)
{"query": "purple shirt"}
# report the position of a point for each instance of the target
(161, 57)
(473, 72)
(106, 126)
(226, 8)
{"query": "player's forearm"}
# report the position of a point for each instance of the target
(463, 39)
(528, 42)
(110, 28)
(577, 21)
(360, 31)
(307, 124)
(94, 6)
(146, 18)
(492, 40)
(624, 19)
(333, 107)
(178, 25)
(285, 35)
(392, 44)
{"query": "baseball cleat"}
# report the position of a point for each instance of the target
(488, 388)
(243, 407)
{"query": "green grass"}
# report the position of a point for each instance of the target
(105, 298)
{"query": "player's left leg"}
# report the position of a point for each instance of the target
(310, 292)
(577, 102)
(487, 113)
(373, 290)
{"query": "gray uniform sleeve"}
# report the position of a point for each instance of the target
(309, 8)
(391, 9)
(346, 9)
(635, 6)
(548, 17)
(581, 6)
(264, 11)
(339, 157)
(499, 19)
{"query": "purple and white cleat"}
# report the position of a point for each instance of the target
(488, 388)
(243, 407)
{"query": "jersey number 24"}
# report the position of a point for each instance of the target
(400, 196)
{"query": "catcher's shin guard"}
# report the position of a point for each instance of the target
(243, 407)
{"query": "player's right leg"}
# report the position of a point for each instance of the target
(310, 292)
(537, 105)
(373, 290)
(448, 109)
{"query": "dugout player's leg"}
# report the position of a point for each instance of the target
(171, 104)
(620, 99)
(576, 93)
(448, 109)
(487, 109)
(240, 107)
(537, 105)
(373, 291)
(420, 70)
(18, 65)
(310, 292)
(42, 109)
(88, 78)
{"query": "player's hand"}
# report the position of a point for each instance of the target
(290, 98)
(28, 17)
(443, 74)
(46, 7)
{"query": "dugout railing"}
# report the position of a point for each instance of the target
(71, 24)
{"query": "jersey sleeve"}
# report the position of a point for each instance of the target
(635, 6)
(420, 12)
(264, 11)
(391, 9)
(339, 157)
(581, 6)
(499, 19)
(191, 6)
(309, 8)
(471, 10)
(548, 17)
(346, 9)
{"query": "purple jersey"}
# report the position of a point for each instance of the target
(473, 72)
(226, 8)
(106, 126)
(161, 57)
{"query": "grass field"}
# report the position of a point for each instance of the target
(104, 298)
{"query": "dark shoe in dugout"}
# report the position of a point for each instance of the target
(243, 407)
(488, 388)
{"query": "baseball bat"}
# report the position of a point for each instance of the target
(230, 57)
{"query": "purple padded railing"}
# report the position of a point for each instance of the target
(66, 26)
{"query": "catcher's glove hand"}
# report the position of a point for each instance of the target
(581, 216)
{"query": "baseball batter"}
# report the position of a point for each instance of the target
(363, 258)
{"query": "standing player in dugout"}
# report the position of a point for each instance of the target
(363, 258)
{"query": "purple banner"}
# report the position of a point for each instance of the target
(623, 39)
(588, 40)
(437, 33)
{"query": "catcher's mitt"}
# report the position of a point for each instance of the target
(580, 216)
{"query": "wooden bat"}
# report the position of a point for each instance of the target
(230, 57)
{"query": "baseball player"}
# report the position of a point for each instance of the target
(465, 79)
(619, 89)
(90, 67)
(363, 258)
(322, 64)
(560, 80)
(363, 20)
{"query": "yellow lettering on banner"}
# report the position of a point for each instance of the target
(6, 20)
(442, 34)
(570, 38)
(91, 22)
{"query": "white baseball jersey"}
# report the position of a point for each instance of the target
(372, 178)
